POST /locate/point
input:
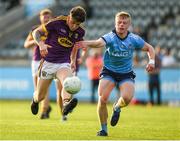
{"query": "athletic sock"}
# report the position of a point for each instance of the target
(117, 109)
(104, 127)
(34, 100)
(121, 103)
(65, 102)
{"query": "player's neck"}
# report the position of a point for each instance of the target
(122, 35)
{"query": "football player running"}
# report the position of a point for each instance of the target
(58, 51)
(118, 59)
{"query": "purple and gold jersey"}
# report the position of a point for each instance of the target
(36, 52)
(62, 39)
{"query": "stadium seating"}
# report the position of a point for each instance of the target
(158, 20)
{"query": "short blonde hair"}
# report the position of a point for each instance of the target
(45, 11)
(124, 14)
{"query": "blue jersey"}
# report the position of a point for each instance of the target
(119, 52)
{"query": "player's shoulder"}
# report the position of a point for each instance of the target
(81, 29)
(135, 38)
(133, 35)
(109, 37)
(111, 34)
(34, 27)
(59, 18)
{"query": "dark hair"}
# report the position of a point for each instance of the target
(78, 14)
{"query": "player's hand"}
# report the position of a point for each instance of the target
(150, 67)
(79, 61)
(80, 44)
(44, 49)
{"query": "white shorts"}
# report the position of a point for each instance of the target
(49, 70)
(34, 67)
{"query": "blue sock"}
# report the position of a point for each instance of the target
(104, 127)
(117, 109)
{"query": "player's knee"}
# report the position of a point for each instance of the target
(103, 100)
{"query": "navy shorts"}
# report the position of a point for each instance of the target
(117, 78)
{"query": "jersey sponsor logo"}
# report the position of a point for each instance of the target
(65, 42)
(120, 54)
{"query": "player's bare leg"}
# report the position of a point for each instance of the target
(45, 103)
(59, 99)
(35, 79)
(69, 103)
(127, 92)
(46, 109)
(104, 90)
(39, 94)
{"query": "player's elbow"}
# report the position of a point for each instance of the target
(34, 33)
(151, 50)
(25, 44)
(148, 48)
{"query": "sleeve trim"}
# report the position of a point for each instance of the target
(104, 39)
(44, 28)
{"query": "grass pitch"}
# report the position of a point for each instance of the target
(136, 122)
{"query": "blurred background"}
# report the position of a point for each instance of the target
(156, 21)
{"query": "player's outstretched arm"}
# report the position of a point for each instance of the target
(91, 43)
(37, 37)
(151, 54)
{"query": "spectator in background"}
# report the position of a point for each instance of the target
(45, 16)
(168, 60)
(154, 78)
(94, 64)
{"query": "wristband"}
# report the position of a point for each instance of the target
(151, 61)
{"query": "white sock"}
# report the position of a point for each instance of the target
(121, 103)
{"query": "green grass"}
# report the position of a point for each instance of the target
(137, 122)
